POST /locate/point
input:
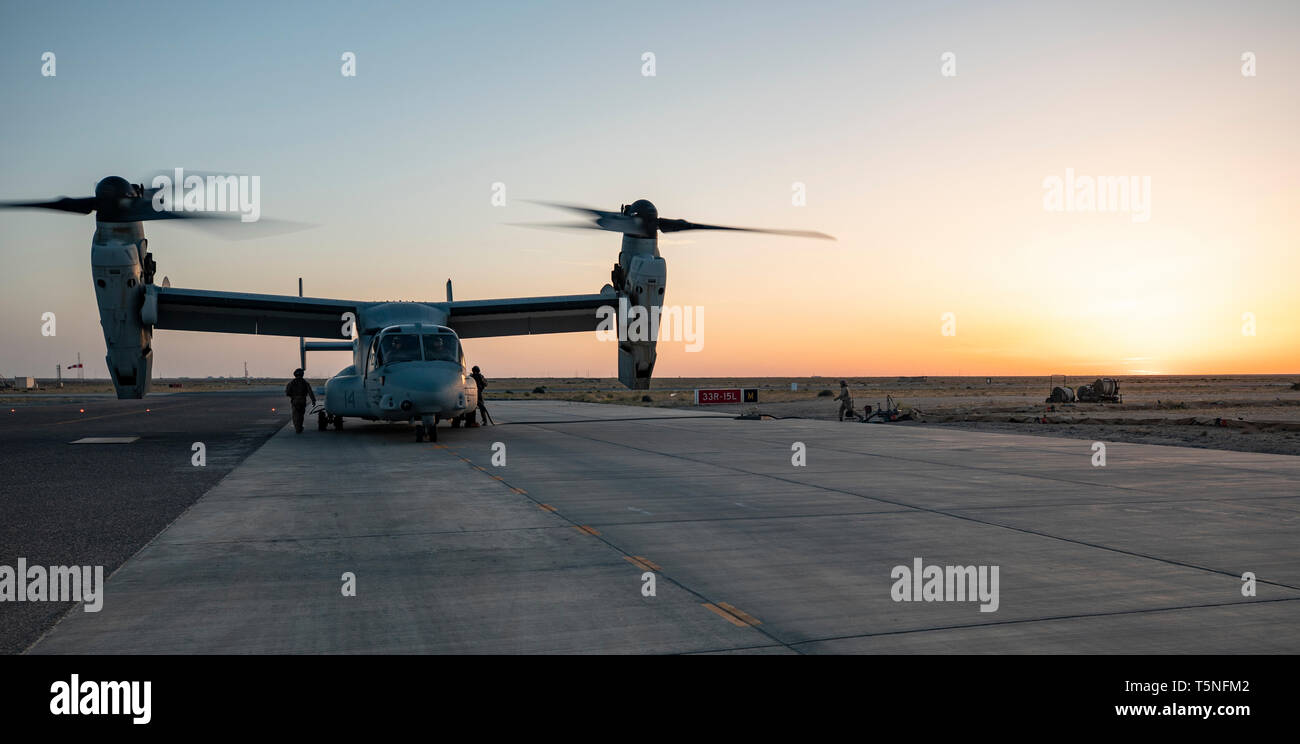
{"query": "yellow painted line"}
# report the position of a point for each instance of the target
(546, 507)
(440, 446)
(498, 477)
(519, 491)
(636, 562)
(651, 564)
(724, 615)
(587, 530)
(740, 614)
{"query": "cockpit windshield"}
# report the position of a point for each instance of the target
(399, 347)
(441, 347)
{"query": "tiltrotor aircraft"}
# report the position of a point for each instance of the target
(408, 363)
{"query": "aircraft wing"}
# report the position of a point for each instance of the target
(527, 315)
(177, 309)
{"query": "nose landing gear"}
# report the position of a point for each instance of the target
(428, 427)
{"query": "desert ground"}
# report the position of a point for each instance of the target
(1253, 413)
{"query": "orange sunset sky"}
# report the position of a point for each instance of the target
(933, 184)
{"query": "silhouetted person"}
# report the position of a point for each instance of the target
(846, 400)
(481, 381)
(298, 391)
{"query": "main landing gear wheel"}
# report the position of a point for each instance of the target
(322, 421)
(419, 433)
(338, 423)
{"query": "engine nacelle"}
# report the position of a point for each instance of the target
(646, 279)
(647, 276)
(120, 268)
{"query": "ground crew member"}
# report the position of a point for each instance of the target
(481, 381)
(846, 400)
(298, 391)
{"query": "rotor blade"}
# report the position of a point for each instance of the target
(228, 226)
(557, 225)
(666, 225)
(143, 210)
(578, 208)
(612, 221)
(83, 205)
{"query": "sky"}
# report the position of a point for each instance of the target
(949, 258)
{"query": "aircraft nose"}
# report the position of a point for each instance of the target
(426, 390)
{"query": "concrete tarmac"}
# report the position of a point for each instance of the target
(97, 502)
(552, 552)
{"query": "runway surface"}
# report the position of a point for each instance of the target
(749, 552)
(98, 503)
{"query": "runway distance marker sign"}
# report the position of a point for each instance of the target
(723, 396)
